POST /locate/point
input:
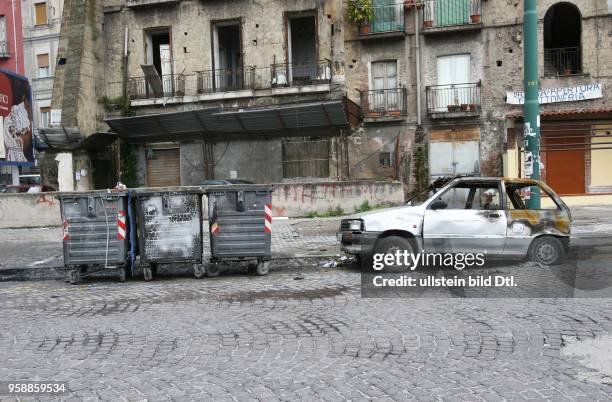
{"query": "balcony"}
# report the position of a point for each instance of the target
(145, 3)
(383, 104)
(224, 80)
(387, 22)
(291, 75)
(4, 50)
(562, 61)
(453, 101)
(171, 85)
(441, 16)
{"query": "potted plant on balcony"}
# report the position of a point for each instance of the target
(428, 14)
(475, 14)
(409, 4)
(361, 12)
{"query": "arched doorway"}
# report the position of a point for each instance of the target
(562, 40)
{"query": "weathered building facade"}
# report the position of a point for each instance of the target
(272, 72)
(265, 91)
(41, 32)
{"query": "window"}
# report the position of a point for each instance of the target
(306, 157)
(42, 60)
(3, 42)
(517, 197)
(387, 16)
(562, 39)
(384, 79)
(40, 10)
(44, 117)
(384, 159)
(453, 89)
(476, 196)
(302, 50)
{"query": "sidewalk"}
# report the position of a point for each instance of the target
(291, 238)
(32, 252)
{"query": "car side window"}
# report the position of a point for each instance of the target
(485, 198)
(519, 193)
(456, 197)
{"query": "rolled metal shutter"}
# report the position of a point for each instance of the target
(164, 167)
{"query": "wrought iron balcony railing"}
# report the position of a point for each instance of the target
(171, 85)
(448, 13)
(563, 61)
(4, 49)
(454, 98)
(378, 103)
(386, 18)
(289, 74)
(224, 80)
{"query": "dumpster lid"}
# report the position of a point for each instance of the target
(148, 191)
(239, 187)
(93, 193)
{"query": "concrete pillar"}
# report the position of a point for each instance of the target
(65, 177)
(15, 175)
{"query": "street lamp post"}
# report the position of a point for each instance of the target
(532, 105)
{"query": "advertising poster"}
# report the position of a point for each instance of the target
(17, 145)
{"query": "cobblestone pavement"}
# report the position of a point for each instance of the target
(298, 334)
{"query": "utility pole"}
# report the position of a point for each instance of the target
(532, 104)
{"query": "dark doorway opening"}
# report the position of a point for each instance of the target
(302, 49)
(562, 40)
(227, 46)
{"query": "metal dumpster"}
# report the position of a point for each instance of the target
(169, 228)
(240, 223)
(96, 232)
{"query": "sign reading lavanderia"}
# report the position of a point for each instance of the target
(16, 142)
(555, 95)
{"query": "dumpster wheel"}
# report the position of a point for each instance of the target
(122, 274)
(147, 273)
(73, 277)
(213, 270)
(198, 270)
(263, 267)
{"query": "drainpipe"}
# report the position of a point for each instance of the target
(15, 38)
(125, 62)
(417, 50)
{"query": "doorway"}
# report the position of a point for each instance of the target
(227, 56)
(302, 49)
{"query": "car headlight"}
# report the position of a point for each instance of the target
(355, 225)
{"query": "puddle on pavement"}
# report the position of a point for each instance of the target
(596, 354)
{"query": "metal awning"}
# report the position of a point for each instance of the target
(70, 139)
(316, 118)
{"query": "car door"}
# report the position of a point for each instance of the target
(470, 219)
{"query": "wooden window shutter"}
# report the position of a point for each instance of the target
(43, 60)
(41, 13)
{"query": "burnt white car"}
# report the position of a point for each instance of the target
(486, 215)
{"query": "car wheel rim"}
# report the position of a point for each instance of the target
(546, 253)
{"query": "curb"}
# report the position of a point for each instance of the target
(59, 273)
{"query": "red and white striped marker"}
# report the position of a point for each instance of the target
(121, 225)
(268, 218)
(66, 237)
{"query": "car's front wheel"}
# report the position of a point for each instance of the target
(546, 250)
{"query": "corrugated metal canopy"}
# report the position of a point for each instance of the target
(70, 139)
(213, 123)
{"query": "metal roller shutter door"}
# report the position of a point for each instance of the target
(164, 168)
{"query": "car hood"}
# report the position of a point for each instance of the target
(409, 217)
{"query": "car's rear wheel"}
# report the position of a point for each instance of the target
(546, 250)
(391, 245)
